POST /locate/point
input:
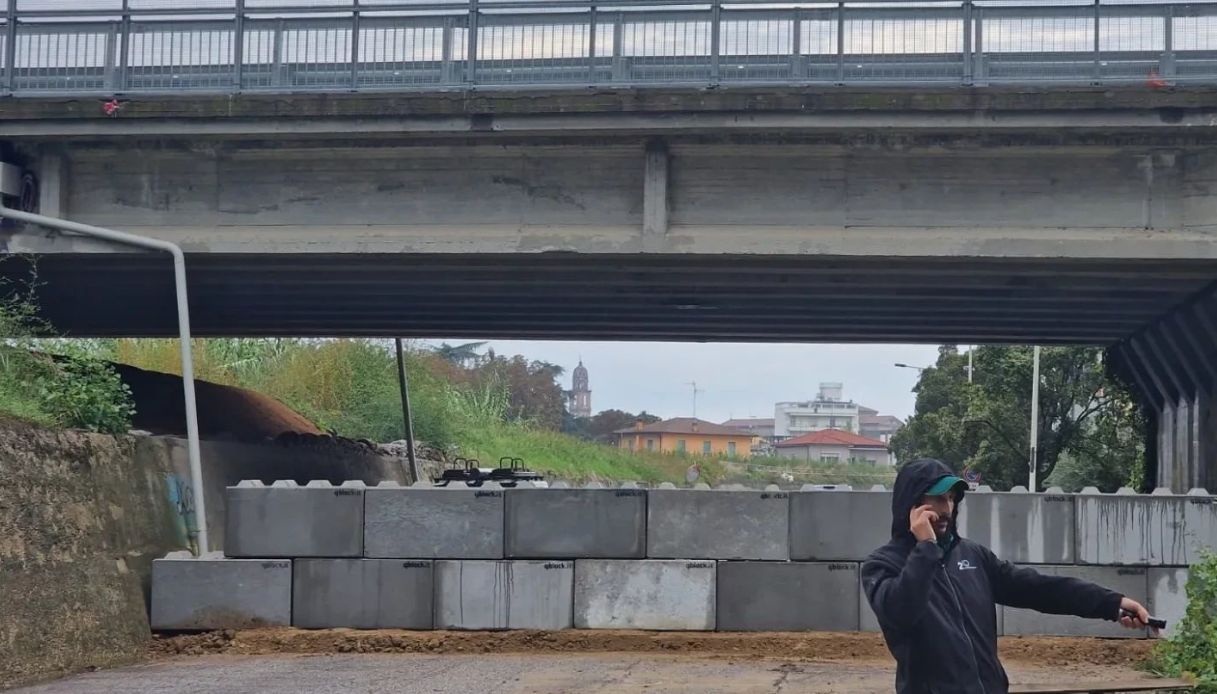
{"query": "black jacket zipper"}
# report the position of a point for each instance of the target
(963, 626)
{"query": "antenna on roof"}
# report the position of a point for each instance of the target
(695, 392)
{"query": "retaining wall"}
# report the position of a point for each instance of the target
(690, 559)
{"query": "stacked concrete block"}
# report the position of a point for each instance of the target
(362, 593)
(1168, 596)
(504, 594)
(426, 522)
(718, 524)
(564, 523)
(1131, 529)
(212, 592)
(1021, 527)
(651, 594)
(834, 525)
(786, 596)
(1129, 581)
(285, 520)
(1200, 523)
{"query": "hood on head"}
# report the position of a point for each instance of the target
(912, 481)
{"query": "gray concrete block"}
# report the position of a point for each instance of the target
(217, 593)
(649, 594)
(1200, 524)
(290, 521)
(504, 594)
(575, 523)
(719, 524)
(433, 523)
(1021, 527)
(1168, 596)
(362, 593)
(838, 525)
(786, 596)
(1131, 529)
(1126, 580)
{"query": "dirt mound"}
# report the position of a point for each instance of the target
(225, 412)
(818, 646)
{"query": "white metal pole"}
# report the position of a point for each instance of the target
(970, 347)
(183, 324)
(1035, 416)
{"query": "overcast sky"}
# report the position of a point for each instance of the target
(733, 380)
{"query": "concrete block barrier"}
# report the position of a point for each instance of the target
(838, 525)
(425, 522)
(504, 594)
(1130, 581)
(563, 523)
(362, 593)
(1021, 527)
(1131, 529)
(655, 594)
(1168, 596)
(718, 524)
(787, 596)
(1200, 524)
(212, 592)
(284, 520)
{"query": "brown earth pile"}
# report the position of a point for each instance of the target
(225, 412)
(820, 646)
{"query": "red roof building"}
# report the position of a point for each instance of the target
(832, 446)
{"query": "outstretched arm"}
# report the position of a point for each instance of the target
(1018, 586)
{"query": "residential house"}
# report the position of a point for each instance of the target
(761, 430)
(835, 446)
(829, 410)
(686, 435)
(873, 425)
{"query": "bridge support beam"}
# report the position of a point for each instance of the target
(655, 189)
(1173, 364)
(53, 183)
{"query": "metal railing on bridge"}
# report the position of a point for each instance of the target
(147, 46)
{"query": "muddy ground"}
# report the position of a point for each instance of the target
(814, 646)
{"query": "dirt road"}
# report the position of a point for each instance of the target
(517, 673)
(290, 661)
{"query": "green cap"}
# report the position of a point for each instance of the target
(944, 484)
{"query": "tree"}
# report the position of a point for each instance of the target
(1087, 419)
(600, 427)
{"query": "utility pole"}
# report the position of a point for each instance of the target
(695, 391)
(1035, 416)
(970, 347)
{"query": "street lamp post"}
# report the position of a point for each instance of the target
(1035, 417)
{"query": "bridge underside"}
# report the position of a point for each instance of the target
(619, 297)
(960, 215)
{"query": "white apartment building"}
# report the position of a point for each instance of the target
(829, 410)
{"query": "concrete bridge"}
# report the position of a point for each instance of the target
(951, 211)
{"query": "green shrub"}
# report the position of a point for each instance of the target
(1192, 651)
(86, 394)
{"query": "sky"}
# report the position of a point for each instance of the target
(733, 379)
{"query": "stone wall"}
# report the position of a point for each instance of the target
(81, 518)
(83, 515)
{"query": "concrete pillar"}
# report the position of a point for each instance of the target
(1183, 467)
(1166, 445)
(53, 183)
(655, 189)
(1205, 441)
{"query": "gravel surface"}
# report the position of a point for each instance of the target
(511, 673)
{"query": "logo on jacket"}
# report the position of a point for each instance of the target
(965, 565)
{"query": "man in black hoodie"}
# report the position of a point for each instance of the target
(935, 592)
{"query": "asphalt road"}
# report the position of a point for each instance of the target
(486, 674)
